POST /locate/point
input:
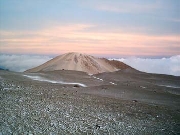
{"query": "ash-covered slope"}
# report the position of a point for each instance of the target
(80, 62)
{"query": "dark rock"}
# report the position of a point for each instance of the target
(97, 126)
(76, 86)
(134, 100)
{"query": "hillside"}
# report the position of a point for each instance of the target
(80, 62)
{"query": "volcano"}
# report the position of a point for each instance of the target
(81, 62)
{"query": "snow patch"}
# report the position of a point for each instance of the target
(38, 78)
(170, 86)
(142, 87)
(112, 83)
(98, 78)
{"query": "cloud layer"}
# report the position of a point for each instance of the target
(170, 66)
(20, 63)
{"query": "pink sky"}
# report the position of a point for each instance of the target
(102, 28)
(80, 38)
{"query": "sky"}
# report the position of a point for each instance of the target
(108, 28)
(144, 34)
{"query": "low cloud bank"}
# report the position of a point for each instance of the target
(170, 66)
(20, 63)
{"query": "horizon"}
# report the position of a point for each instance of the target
(96, 55)
(147, 29)
(163, 65)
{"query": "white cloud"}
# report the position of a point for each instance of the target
(21, 63)
(170, 66)
(124, 6)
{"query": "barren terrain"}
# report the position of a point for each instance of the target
(71, 102)
(80, 62)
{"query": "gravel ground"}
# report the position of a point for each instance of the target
(36, 107)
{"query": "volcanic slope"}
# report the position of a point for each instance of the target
(80, 62)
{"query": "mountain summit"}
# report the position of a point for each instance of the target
(80, 62)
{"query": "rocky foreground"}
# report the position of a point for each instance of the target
(37, 107)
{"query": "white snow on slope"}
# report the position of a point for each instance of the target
(170, 86)
(112, 83)
(38, 78)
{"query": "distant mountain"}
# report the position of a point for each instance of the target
(2, 68)
(80, 62)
